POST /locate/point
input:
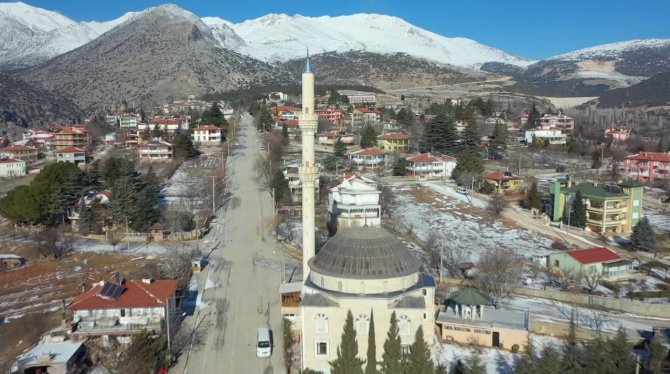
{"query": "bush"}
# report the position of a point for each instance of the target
(614, 287)
(487, 188)
(515, 348)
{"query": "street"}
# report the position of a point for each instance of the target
(239, 287)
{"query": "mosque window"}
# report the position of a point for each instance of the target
(362, 324)
(321, 348)
(404, 325)
(321, 324)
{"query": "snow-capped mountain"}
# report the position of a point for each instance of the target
(612, 50)
(280, 37)
(33, 35)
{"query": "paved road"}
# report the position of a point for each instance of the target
(244, 274)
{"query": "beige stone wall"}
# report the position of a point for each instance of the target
(483, 336)
(358, 306)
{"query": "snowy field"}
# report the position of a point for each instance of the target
(658, 218)
(451, 216)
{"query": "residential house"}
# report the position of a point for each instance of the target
(354, 202)
(71, 136)
(64, 357)
(427, 166)
(617, 134)
(504, 181)
(557, 121)
(331, 115)
(610, 208)
(129, 120)
(12, 167)
(392, 126)
(554, 137)
(469, 318)
(156, 150)
(110, 120)
(285, 112)
(599, 261)
(495, 121)
(207, 134)
(365, 116)
(330, 138)
(169, 125)
(292, 175)
(292, 126)
(368, 159)
(394, 142)
(275, 97)
(19, 152)
(124, 308)
(646, 166)
(40, 138)
(11, 261)
(359, 97)
(71, 154)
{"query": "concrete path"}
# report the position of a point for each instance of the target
(241, 282)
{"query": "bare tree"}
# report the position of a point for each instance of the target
(114, 238)
(563, 279)
(432, 248)
(46, 242)
(177, 264)
(498, 272)
(497, 204)
(592, 280)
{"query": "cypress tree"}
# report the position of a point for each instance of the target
(571, 350)
(339, 148)
(392, 360)
(528, 362)
(474, 364)
(596, 358)
(400, 167)
(85, 223)
(371, 363)
(467, 161)
(498, 138)
(533, 200)
(643, 236)
(419, 361)
(347, 361)
(578, 212)
(470, 135)
(368, 137)
(549, 361)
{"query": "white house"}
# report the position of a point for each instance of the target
(427, 166)
(123, 308)
(207, 134)
(553, 136)
(354, 202)
(71, 154)
(368, 158)
(330, 138)
(12, 167)
(156, 150)
(129, 120)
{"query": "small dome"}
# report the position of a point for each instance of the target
(365, 253)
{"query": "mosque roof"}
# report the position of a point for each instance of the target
(470, 296)
(364, 253)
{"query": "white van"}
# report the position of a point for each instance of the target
(461, 190)
(263, 342)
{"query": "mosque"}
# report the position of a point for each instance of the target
(365, 270)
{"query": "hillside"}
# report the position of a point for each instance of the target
(23, 105)
(161, 53)
(654, 91)
(385, 71)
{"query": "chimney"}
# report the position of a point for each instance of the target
(117, 277)
(147, 280)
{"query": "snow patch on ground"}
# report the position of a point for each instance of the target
(496, 360)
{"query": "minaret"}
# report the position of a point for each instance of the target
(309, 172)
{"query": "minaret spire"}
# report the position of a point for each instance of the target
(308, 171)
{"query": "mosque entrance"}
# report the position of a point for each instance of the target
(496, 339)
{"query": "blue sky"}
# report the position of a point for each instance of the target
(531, 28)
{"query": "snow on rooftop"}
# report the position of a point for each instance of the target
(59, 352)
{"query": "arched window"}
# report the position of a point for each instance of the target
(321, 324)
(404, 325)
(362, 324)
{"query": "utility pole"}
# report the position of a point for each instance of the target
(127, 234)
(441, 256)
(213, 195)
(167, 320)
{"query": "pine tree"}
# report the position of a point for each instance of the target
(578, 211)
(474, 364)
(418, 361)
(620, 353)
(549, 361)
(643, 237)
(284, 133)
(392, 360)
(368, 137)
(467, 161)
(596, 358)
(400, 167)
(533, 117)
(528, 362)
(498, 141)
(533, 200)
(470, 135)
(85, 223)
(279, 185)
(371, 363)
(339, 148)
(657, 353)
(347, 361)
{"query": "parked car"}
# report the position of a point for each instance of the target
(462, 190)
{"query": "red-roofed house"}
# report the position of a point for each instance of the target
(364, 116)
(20, 152)
(593, 261)
(647, 166)
(124, 308)
(71, 154)
(331, 115)
(504, 181)
(207, 134)
(12, 167)
(427, 166)
(66, 136)
(394, 142)
(368, 158)
(330, 138)
(291, 125)
(156, 150)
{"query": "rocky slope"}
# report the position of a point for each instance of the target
(161, 53)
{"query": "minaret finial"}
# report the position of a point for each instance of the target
(308, 67)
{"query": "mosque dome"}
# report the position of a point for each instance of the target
(364, 253)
